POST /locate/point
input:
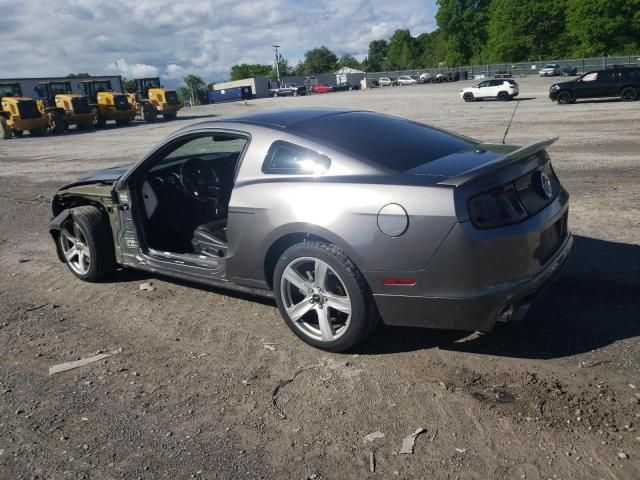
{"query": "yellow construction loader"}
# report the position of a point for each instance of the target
(19, 113)
(107, 104)
(152, 99)
(66, 108)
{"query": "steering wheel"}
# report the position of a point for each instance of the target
(199, 181)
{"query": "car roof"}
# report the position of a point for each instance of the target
(284, 118)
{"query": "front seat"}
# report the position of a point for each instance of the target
(210, 239)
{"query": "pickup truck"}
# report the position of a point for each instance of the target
(288, 89)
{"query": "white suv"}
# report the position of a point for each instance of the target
(497, 88)
(406, 80)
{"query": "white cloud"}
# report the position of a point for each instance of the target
(137, 70)
(171, 38)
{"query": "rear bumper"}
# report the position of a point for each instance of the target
(476, 275)
(478, 312)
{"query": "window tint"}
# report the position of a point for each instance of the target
(391, 142)
(286, 159)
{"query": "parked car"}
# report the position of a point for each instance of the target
(406, 80)
(321, 88)
(346, 86)
(502, 89)
(617, 82)
(569, 71)
(319, 210)
(289, 89)
(550, 70)
(503, 74)
(387, 82)
(425, 77)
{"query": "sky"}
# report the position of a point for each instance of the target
(171, 39)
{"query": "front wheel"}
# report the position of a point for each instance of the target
(5, 131)
(322, 297)
(86, 244)
(57, 122)
(149, 113)
(564, 98)
(629, 94)
(468, 97)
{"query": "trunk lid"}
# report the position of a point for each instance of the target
(483, 160)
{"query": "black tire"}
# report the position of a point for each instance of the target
(629, 94)
(95, 228)
(503, 96)
(564, 98)
(169, 116)
(37, 132)
(149, 113)
(18, 133)
(5, 131)
(126, 122)
(468, 97)
(99, 121)
(364, 315)
(57, 123)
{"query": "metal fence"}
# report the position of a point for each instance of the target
(517, 69)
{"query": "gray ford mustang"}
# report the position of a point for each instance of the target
(344, 217)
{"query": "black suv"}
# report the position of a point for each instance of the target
(615, 82)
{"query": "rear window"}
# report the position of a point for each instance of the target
(391, 142)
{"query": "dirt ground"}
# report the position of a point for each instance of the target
(189, 395)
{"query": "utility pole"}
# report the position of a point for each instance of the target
(276, 47)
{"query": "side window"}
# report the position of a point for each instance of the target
(209, 147)
(483, 84)
(590, 77)
(285, 158)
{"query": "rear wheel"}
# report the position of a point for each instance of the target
(468, 97)
(503, 96)
(86, 244)
(322, 297)
(5, 131)
(99, 121)
(629, 94)
(564, 98)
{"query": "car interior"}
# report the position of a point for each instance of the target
(186, 194)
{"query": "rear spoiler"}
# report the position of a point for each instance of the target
(500, 162)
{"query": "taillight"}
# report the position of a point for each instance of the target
(496, 208)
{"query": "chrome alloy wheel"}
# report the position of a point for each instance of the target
(75, 248)
(315, 299)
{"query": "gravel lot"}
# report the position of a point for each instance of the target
(189, 395)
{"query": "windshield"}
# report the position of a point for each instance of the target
(10, 90)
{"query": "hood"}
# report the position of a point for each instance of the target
(107, 175)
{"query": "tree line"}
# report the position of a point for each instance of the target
(486, 31)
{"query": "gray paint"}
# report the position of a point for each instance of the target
(464, 276)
